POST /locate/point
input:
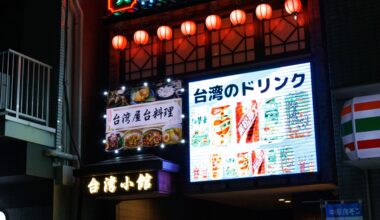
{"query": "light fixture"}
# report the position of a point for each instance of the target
(168, 80)
(116, 151)
(281, 200)
(104, 116)
(141, 37)
(105, 93)
(238, 17)
(213, 22)
(119, 42)
(162, 145)
(182, 89)
(145, 84)
(188, 28)
(104, 141)
(263, 11)
(3, 216)
(293, 7)
(123, 88)
(164, 33)
(182, 116)
(139, 149)
(288, 201)
(183, 141)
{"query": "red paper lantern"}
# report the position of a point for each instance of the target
(164, 33)
(141, 37)
(213, 22)
(263, 11)
(119, 42)
(293, 7)
(188, 28)
(238, 17)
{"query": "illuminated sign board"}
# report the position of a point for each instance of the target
(344, 211)
(144, 116)
(121, 5)
(130, 6)
(122, 184)
(3, 216)
(253, 124)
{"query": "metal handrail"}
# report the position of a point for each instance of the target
(24, 87)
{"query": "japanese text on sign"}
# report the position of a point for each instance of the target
(259, 123)
(218, 92)
(344, 211)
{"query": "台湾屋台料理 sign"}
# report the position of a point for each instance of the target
(252, 124)
(144, 125)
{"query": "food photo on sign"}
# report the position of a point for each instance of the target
(144, 116)
(252, 124)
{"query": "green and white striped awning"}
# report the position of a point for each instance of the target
(360, 127)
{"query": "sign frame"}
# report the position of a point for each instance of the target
(325, 175)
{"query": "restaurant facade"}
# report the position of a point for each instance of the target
(227, 91)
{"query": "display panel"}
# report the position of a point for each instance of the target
(253, 124)
(144, 116)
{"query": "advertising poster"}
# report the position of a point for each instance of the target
(144, 116)
(253, 124)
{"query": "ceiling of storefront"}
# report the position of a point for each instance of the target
(266, 199)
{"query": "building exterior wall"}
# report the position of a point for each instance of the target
(352, 36)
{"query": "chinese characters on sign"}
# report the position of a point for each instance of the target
(144, 125)
(253, 124)
(161, 112)
(347, 211)
(119, 184)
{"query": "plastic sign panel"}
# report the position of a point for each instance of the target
(118, 7)
(121, 5)
(347, 211)
(253, 124)
(144, 116)
(360, 127)
(144, 125)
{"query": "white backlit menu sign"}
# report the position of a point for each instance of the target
(253, 124)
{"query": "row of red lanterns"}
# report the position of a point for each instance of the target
(213, 22)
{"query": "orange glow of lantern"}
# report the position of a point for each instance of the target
(263, 11)
(188, 28)
(119, 42)
(164, 33)
(238, 17)
(293, 7)
(141, 37)
(213, 22)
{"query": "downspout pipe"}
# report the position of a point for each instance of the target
(78, 39)
(61, 73)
